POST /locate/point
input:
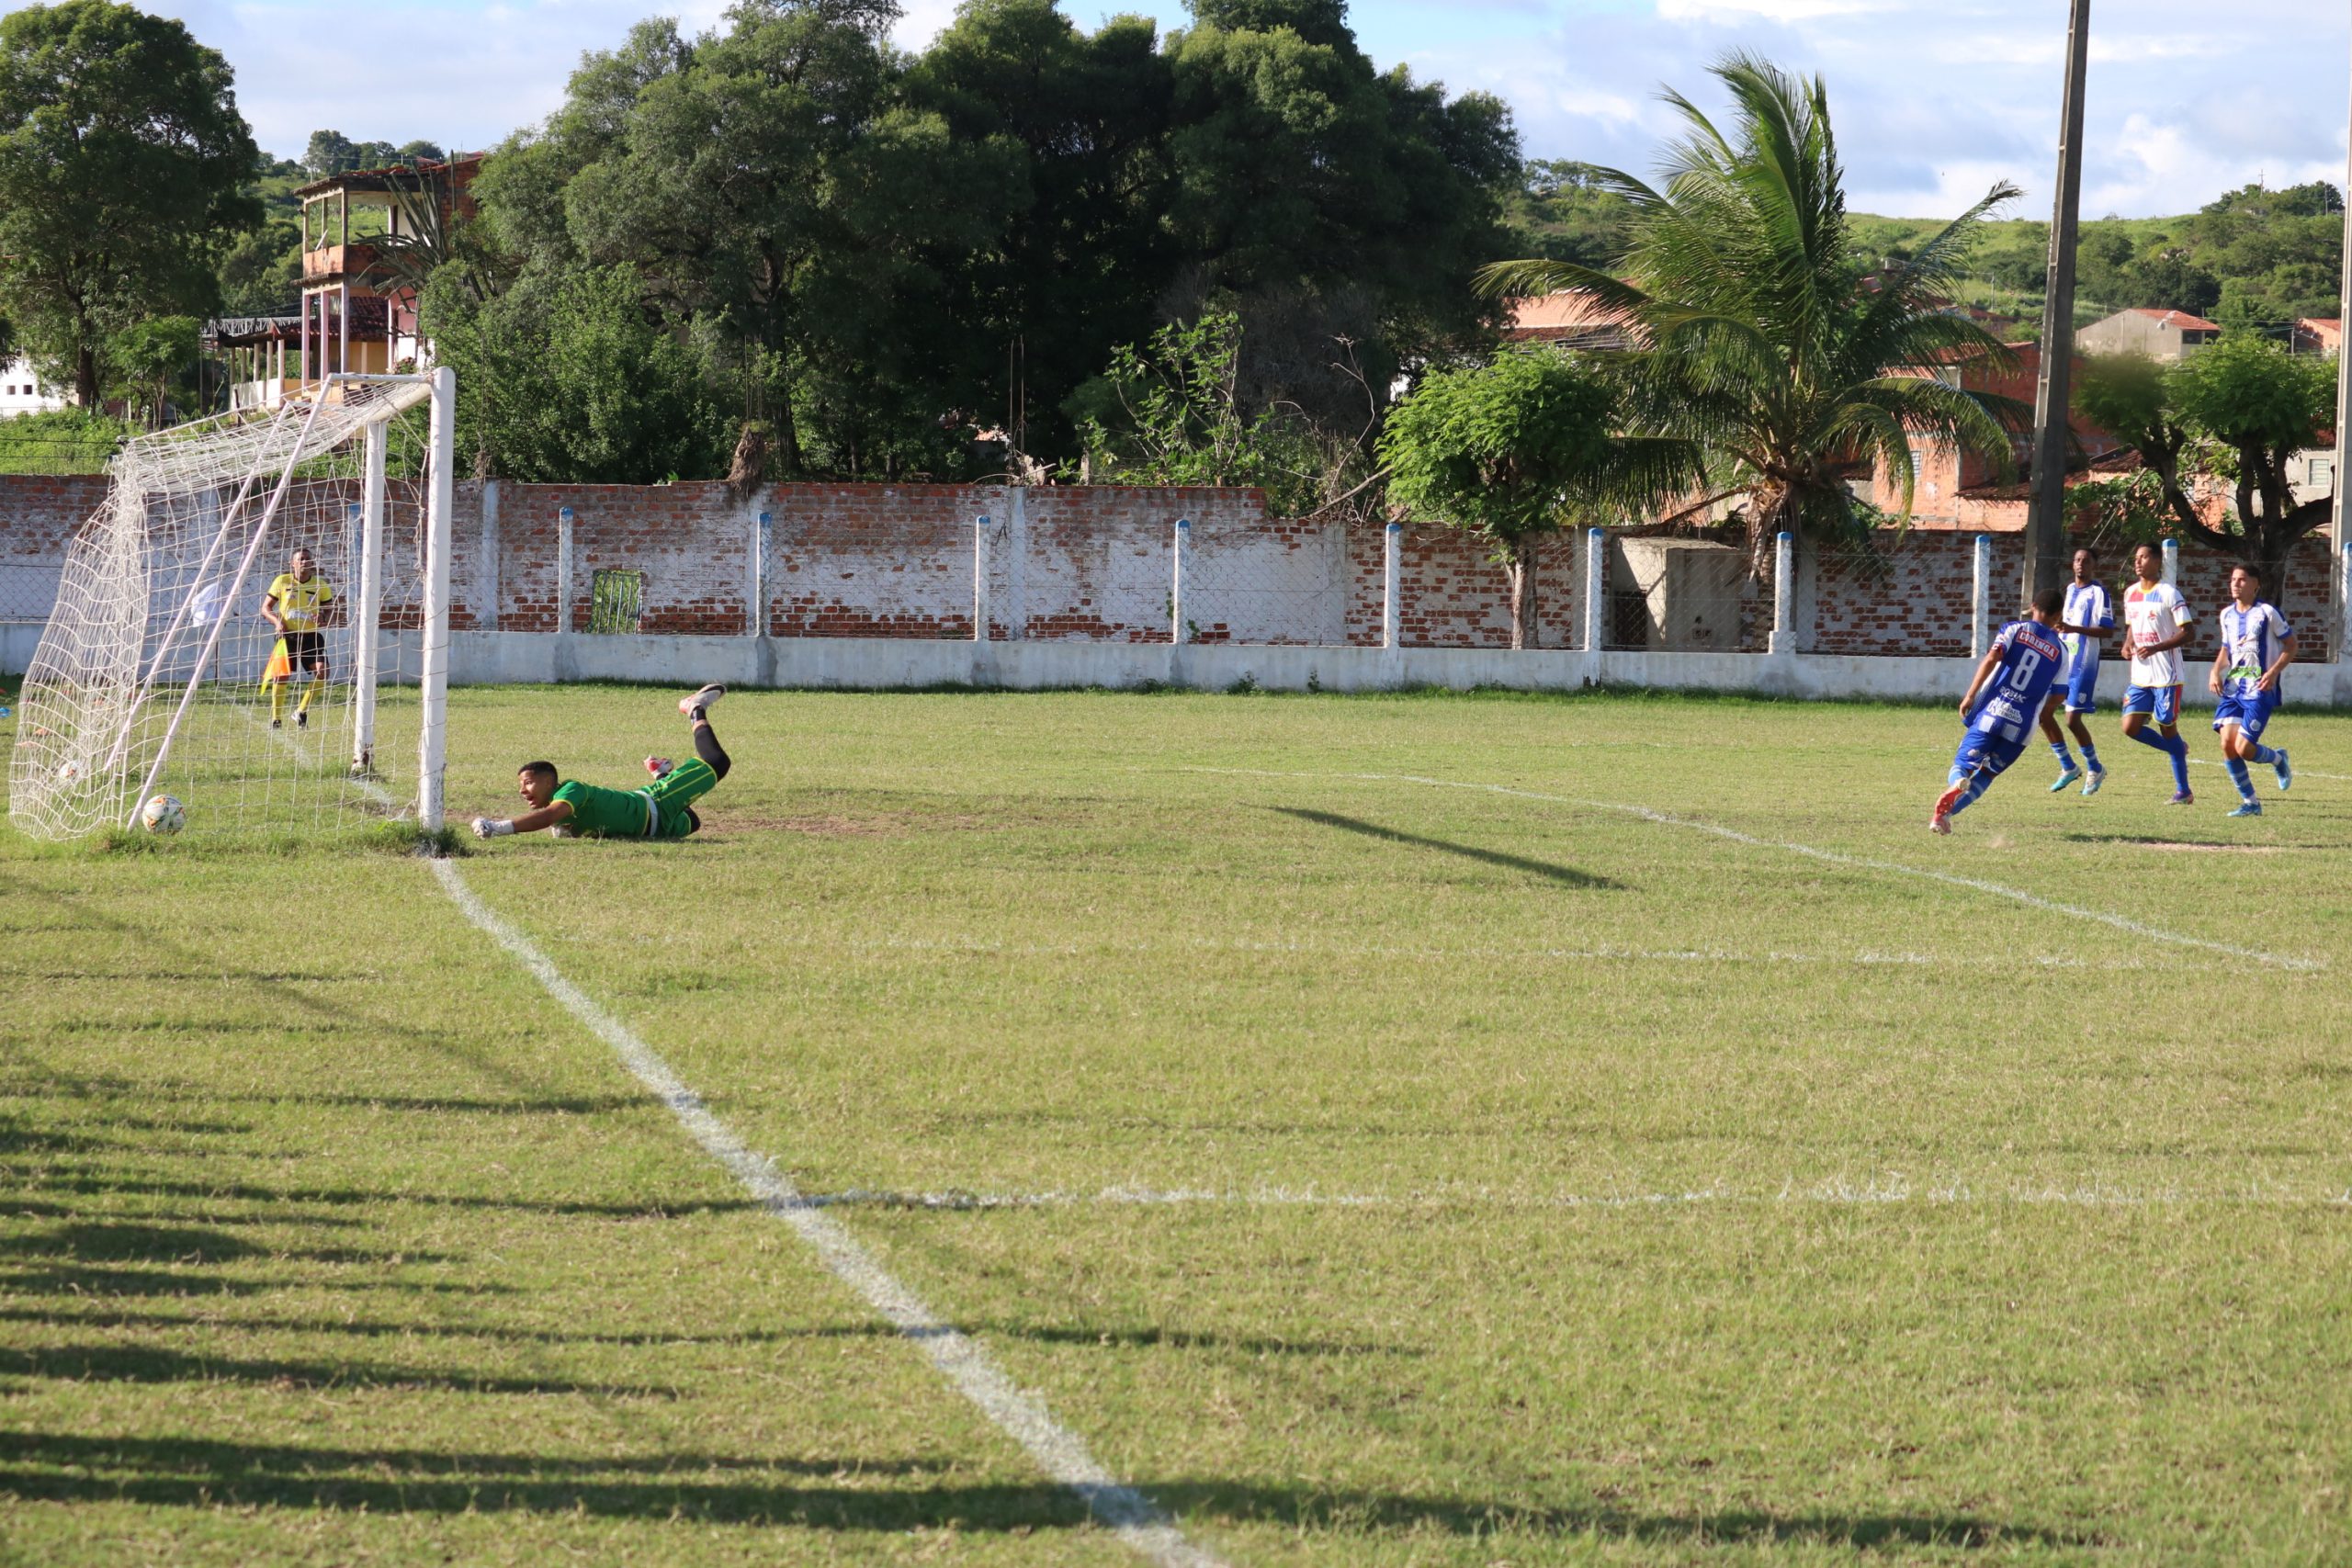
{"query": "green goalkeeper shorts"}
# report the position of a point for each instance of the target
(676, 790)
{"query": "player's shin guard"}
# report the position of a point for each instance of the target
(2240, 777)
(2177, 749)
(2263, 754)
(2066, 757)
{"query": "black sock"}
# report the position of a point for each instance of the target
(708, 748)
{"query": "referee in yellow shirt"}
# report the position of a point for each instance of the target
(299, 602)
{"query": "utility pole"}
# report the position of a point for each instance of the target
(2343, 411)
(2053, 389)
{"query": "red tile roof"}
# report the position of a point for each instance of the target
(2181, 318)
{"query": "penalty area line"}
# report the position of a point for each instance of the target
(1019, 1414)
(1835, 857)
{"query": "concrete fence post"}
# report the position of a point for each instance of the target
(1596, 576)
(1015, 613)
(762, 531)
(1784, 594)
(1980, 601)
(2172, 562)
(486, 585)
(1181, 548)
(564, 570)
(1392, 578)
(2344, 600)
(980, 579)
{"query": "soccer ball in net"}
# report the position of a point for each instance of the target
(162, 814)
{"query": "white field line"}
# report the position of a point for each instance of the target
(989, 946)
(1022, 1415)
(1875, 1190)
(1665, 818)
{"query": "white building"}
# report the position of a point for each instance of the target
(21, 392)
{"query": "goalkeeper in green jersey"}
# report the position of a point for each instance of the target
(663, 809)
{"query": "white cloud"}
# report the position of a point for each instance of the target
(1936, 103)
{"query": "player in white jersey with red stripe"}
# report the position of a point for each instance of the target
(2256, 646)
(2158, 619)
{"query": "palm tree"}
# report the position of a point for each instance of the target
(1754, 329)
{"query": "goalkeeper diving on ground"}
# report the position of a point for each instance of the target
(663, 809)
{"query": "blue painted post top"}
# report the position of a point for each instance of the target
(564, 513)
(1399, 527)
(1786, 535)
(1984, 539)
(1596, 533)
(981, 521)
(767, 516)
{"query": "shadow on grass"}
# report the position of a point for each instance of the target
(89, 1313)
(102, 1240)
(1568, 877)
(146, 1364)
(49, 1178)
(727, 1489)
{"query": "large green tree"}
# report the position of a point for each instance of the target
(565, 377)
(1515, 449)
(1323, 201)
(1075, 261)
(2233, 414)
(123, 166)
(766, 182)
(1759, 332)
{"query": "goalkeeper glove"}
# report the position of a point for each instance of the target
(492, 827)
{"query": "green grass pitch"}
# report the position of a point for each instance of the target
(1371, 1171)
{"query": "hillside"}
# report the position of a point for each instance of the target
(2251, 258)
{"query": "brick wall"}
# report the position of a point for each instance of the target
(36, 517)
(899, 560)
(1914, 597)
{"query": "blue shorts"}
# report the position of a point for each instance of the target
(2082, 686)
(2163, 702)
(2250, 714)
(1983, 750)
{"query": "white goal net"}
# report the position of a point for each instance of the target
(255, 622)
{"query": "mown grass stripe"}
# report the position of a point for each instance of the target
(1019, 1414)
(1836, 857)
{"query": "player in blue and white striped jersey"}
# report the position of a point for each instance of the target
(2256, 646)
(2012, 681)
(2085, 623)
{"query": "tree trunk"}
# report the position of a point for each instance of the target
(86, 376)
(1521, 566)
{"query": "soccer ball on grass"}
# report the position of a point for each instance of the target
(162, 814)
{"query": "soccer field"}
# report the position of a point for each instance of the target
(1428, 1130)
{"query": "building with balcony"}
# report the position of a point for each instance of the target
(362, 234)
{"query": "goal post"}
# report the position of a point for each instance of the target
(160, 670)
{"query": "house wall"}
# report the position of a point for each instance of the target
(22, 392)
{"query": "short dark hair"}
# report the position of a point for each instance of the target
(2087, 550)
(2249, 568)
(540, 770)
(2049, 602)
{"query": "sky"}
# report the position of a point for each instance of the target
(1934, 100)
